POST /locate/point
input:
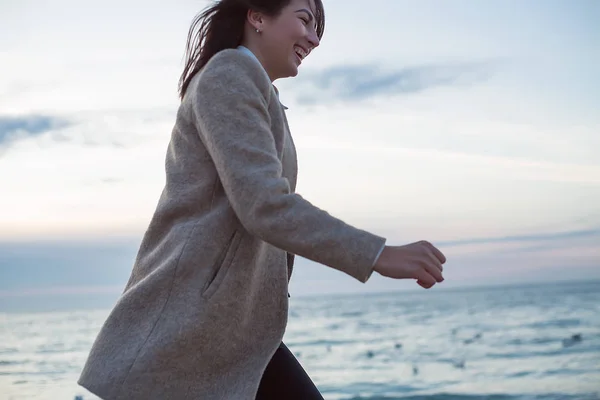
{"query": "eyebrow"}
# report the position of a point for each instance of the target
(310, 15)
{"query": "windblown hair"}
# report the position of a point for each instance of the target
(221, 26)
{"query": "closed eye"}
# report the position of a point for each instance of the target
(306, 17)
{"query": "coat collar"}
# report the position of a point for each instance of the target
(249, 52)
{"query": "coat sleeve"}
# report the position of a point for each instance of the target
(230, 109)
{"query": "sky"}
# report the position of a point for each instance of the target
(473, 125)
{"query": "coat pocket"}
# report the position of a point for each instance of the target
(223, 264)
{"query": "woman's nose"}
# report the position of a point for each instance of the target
(313, 39)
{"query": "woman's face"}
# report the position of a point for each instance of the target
(288, 38)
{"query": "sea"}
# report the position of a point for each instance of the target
(497, 343)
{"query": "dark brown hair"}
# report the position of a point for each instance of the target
(221, 26)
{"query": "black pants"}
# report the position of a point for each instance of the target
(285, 379)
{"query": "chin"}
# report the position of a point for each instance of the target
(293, 71)
(287, 73)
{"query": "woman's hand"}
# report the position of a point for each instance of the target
(419, 260)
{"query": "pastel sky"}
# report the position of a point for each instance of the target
(474, 125)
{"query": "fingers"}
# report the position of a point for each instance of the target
(425, 280)
(420, 261)
(438, 254)
(424, 285)
(431, 272)
(435, 261)
(432, 265)
(434, 272)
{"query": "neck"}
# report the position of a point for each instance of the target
(259, 55)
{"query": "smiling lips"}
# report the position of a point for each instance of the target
(300, 52)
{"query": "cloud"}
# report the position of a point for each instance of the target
(102, 128)
(109, 181)
(121, 129)
(19, 127)
(574, 249)
(359, 82)
(540, 237)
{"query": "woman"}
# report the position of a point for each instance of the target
(205, 310)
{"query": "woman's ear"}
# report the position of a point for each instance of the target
(255, 19)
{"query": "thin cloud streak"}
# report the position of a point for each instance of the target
(102, 128)
(13, 128)
(540, 237)
(359, 82)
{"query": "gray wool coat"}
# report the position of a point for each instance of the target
(206, 305)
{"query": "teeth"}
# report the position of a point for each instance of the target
(300, 52)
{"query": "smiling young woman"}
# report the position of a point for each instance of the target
(205, 309)
(279, 33)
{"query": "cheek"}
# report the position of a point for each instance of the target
(289, 34)
(283, 39)
(284, 45)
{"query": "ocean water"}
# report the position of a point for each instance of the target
(502, 343)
